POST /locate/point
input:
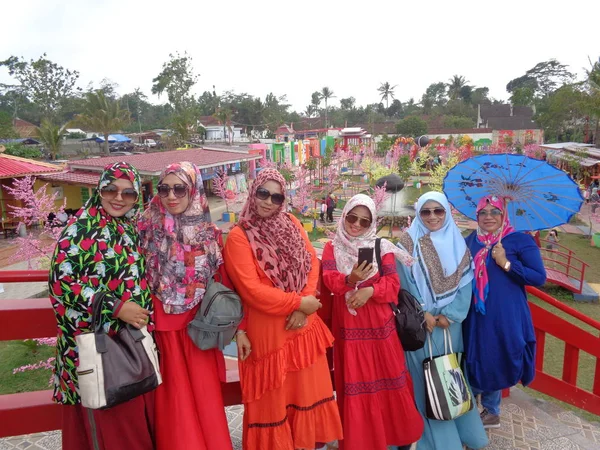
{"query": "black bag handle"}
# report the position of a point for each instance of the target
(378, 255)
(100, 335)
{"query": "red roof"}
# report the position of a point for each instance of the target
(154, 163)
(79, 178)
(14, 166)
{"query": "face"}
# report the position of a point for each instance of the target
(489, 218)
(265, 208)
(172, 203)
(433, 215)
(118, 197)
(361, 216)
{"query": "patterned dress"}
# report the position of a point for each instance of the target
(95, 252)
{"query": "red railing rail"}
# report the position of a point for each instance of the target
(576, 340)
(33, 412)
(563, 261)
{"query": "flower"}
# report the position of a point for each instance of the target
(100, 269)
(73, 250)
(66, 268)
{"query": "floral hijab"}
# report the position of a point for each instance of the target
(95, 253)
(183, 251)
(276, 242)
(345, 247)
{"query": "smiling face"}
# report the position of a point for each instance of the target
(266, 208)
(361, 216)
(433, 215)
(172, 204)
(118, 206)
(489, 219)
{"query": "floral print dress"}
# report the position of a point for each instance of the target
(95, 253)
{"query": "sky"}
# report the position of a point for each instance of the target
(294, 49)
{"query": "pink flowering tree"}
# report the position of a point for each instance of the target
(264, 163)
(534, 151)
(219, 187)
(333, 178)
(380, 196)
(303, 201)
(35, 209)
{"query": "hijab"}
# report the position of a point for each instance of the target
(276, 241)
(183, 250)
(345, 247)
(444, 263)
(488, 240)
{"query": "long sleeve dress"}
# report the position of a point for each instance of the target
(443, 434)
(286, 384)
(373, 386)
(500, 344)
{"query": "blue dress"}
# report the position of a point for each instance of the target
(447, 434)
(500, 345)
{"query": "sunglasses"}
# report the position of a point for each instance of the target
(110, 192)
(493, 213)
(179, 190)
(264, 194)
(352, 218)
(439, 212)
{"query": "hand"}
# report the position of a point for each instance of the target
(309, 304)
(360, 273)
(243, 345)
(499, 254)
(360, 297)
(430, 322)
(295, 320)
(134, 314)
(442, 321)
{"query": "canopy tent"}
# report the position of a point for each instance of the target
(24, 141)
(113, 138)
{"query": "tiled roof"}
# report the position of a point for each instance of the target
(154, 163)
(208, 121)
(23, 128)
(459, 131)
(14, 166)
(379, 128)
(512, 123)
(77, 177)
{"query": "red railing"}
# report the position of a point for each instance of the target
(32, 412)
(563, 267)
(576, 340)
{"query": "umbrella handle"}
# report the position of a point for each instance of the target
(504, 214)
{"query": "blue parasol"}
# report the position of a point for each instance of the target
(539, 195)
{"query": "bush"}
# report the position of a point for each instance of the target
(23, 151)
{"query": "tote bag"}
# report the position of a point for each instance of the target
(446, 392)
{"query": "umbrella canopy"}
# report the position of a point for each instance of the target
(394, 183)
(539, 195)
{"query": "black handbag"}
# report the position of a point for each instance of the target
(409, 314)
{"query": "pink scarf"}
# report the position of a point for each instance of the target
(276, 241)
(481, 280)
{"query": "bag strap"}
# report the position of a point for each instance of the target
(378, 255)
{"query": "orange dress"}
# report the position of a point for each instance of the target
(286, 384)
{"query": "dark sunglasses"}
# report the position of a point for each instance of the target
(493, 213)
(110, 192)
(352, 218)
(264, 194)
(179, 190)
(439, 212)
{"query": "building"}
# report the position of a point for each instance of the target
(216, 131)
(24, 129)
(354, 137)
(510, 125)
(284, 133)
(582, 161)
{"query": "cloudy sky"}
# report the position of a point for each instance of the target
(296, 48)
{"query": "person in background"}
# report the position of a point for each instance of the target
(498, 331)
(323, 209)
(330, 202)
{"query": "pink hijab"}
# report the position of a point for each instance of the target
(488, 240)
(276, 241)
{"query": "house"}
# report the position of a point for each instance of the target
(582, 161)
(354, 137)
(216, 131)
(284, 133)
(24, 129)
(511, 125)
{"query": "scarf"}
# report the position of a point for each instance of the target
(482, 258)
(183, 251)
(345, 247)
(444, 262)
(276, 242)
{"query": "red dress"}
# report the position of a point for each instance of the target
(373, 386)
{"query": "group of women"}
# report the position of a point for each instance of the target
(156, 269)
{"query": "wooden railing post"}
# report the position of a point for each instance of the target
(570, 364)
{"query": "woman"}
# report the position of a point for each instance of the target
(498, 332)
(374, 389)
(183, 249)
(286, 385)
(441, 281)
(99, 251)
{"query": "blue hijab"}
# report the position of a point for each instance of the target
(443, 261)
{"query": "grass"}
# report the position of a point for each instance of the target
(15, 354)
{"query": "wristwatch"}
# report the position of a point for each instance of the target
(506, 266)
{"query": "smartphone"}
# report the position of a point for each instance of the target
(365, 254)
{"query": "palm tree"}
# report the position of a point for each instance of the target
(326, 94)
(223, 115)
(457, 82)
(51, 136)
(103, 114)
(386, 91)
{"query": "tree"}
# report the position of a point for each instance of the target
(176, 79)
(223, 115)
(412, 126)
(457, 83)
(103, 115)
(562, 114)
(326, 94)
(347, 103)
(522, 96)
(51, 136)
(480, 96)
(435, 95)
(544, 78)
(42, 82)
(386, 91)
(315, 100)
(6, 126)
(458, 122)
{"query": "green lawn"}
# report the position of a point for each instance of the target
(14, 354)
